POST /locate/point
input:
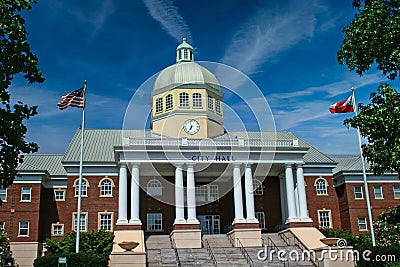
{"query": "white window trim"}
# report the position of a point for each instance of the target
(30, 194)
(19, 229)
(326, 186)
(57, 224)
(186, 103)
(4, 225)
(260, 187)
(59, 190)
(78, 220)
(197, 102)
(112, 220)
(354, 191)
(381, 191)
(261, 212)
(330, 218)
(5, 200)
(366, 224)
(75, 185)
(112, 186)
(147, 224)
(151, 181)
(394, 192)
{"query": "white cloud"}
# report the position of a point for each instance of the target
(166, 13)
(269, 32)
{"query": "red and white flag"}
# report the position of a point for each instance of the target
(343, 106)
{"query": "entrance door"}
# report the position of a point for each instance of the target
(209, 224)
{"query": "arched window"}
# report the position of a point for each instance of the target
(84, 187)
(106, 186)
(257, 188)
(168, 102)
(321, 186)
(197, 101)
(184, 99)
(154, 188)
(159, 105)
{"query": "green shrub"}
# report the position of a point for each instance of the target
(73, 259)
(99, 242)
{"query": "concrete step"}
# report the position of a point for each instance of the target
(217, 240)
(158, 242)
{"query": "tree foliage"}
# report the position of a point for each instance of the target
(4, 245)
(387, 227)
(96, 242)
(16, 58)
(379, 123)
(373, 37)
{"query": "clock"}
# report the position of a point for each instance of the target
(191, 126)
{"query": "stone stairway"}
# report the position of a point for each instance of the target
(159, 251)
(194, 257)
(224, 253)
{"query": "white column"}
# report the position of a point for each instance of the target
(135, 195)
(301, 190)
(179, 195)
(123, 195)
(237, 193)
(290, 192)
(248, 182)
(191, 194)
(283, 198)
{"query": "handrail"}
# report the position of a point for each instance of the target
(271, 243)
(230, 238)
(245, 254)
(176, 251)
(208, 247)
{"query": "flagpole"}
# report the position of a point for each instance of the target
(371, 224)
(78, 219)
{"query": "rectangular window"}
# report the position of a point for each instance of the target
(217, 106)
(358, 193)
(207, 193)
(154, 222)
(26, 193)
(105, 221)
(83, 222)
(260, 215)
(362, 224)
(210, 102)
(57, 229)
(184, 99)
(2, 225)
(324, 218)
(23, 228)
(59, 195)
(396, 191)
(378, 191)
(197, 101)
(159, 105)
(3, 194)
(168, 102)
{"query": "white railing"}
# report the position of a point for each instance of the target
(211, 142)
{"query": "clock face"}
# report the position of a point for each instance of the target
(191, 126)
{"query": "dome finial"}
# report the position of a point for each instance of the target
(184, 40)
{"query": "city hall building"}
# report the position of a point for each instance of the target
(187, 176)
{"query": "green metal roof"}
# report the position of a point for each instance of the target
(348, 163)
(100, 143)
(43, 162)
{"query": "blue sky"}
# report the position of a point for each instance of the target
(288, 48)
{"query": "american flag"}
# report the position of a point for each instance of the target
(74, 99)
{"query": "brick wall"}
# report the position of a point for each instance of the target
(320, 202)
